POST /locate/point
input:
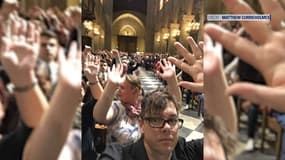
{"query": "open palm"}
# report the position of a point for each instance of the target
(267, 56)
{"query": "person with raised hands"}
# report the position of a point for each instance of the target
(266, 54)
(48, 139)
(159, 123)
(220, 130)
(91, 68)
(193, 65)
(168, 74)
(208, 77)
(18, 56)
(124, 111)
(19, 53)
(220, 115)
(121, 116)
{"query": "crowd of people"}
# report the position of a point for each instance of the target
(43, 70)
(40, 62)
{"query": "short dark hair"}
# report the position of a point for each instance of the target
(49, 34)
(156, 101)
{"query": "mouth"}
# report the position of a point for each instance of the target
(166, 140)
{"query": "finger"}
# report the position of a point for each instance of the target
(97, 60)
(15, 30)
(275, 9)
(163, 63)
(183, 66)
(208, 42)
(194, 87)
(259, 94)
(168, 63)
(218, 51)
(61, 56)
(113, 68)
(201, 45)
(258, 30)
(72, 50)
(23, 26)
(79, 54)
(37, 39)
(211, 61)
(30, 33)
(92, 59)
(183, 52)
(89, 58)
(5, 42)
(158, 74)
(195, 48)
(241, 47)
(121, 67)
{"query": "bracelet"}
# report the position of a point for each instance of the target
(25, 88)
(92, 83)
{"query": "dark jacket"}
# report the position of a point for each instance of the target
(192, 150)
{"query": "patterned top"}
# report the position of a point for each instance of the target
(122, 129)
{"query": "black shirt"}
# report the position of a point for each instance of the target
(12, 145)
(192, 150)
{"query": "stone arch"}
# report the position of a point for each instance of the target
(128, 30)
(132, 22)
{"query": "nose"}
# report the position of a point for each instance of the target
(166, 125)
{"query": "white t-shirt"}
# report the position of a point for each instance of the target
(122, 129)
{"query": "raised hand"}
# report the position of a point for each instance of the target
(217, 102)
(91, 67)
(267, 56)
(20, 51)
(194, 65)
(168, 70)
(115, 75)
(70, 68)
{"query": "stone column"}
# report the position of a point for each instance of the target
(151, 19)
(174, 35)
(164, 36)
(189, 6)
(108, 8)
(185, 28)
(60, 4)
(175, 11)
(157, 40)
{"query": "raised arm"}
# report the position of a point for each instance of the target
(168, 74)
(18, 56)
(193, 65)
(91, 69)
(49, 137)
(217, 103)
(267, 56)
(102, 112)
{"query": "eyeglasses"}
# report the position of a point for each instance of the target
(157, 122)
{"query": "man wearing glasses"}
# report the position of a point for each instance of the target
(159, 124)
